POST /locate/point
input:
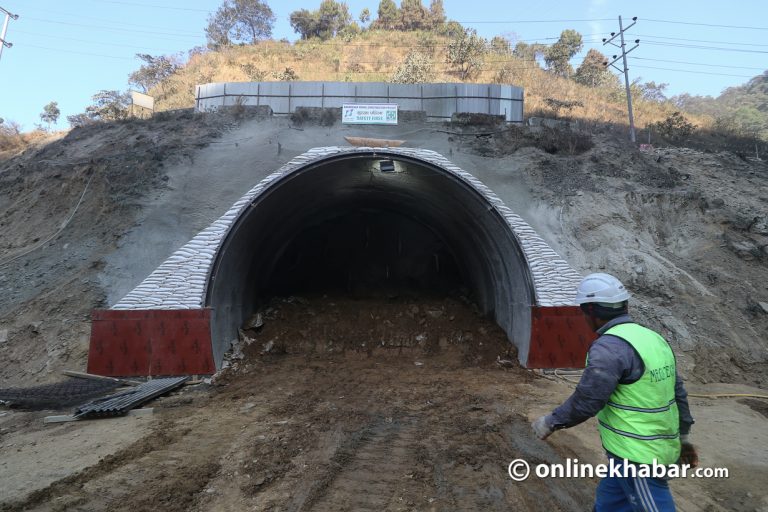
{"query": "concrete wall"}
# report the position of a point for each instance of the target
(439, 101)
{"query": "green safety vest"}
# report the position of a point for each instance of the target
(640, 422)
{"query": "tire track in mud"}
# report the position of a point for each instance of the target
(370, 471)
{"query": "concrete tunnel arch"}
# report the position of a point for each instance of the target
(218, 279)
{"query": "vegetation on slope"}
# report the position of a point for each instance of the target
(416, 44)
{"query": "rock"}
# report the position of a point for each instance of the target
(763, 306)
(435, 313)
(678, 330)
(247, 407)
(3, 335)
(718, 202)
(255, 322)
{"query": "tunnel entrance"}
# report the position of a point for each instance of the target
(365, 253)
(367, 226)
(356, 220)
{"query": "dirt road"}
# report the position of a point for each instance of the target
(327, 412)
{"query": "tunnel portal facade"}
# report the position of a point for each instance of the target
(359, 219)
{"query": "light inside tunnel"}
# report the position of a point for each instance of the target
(347, 224)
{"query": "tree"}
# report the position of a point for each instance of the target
(416, 69)
(153, 72)
(500, 46)
(244, 21)
(388, 15)
(437, 13)
(465, 53)
(675, 127)
(529, 52)
(304, 22)
(107, 106)
(365, 16)
(413, 15)
(559, 54)
(331, 18)
(651, 91)
(592, 72)
(50, 114)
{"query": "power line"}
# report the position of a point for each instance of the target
(699, 47)
(704, 24)
(697, 63)
(8, 17)
(153, 6)
(119, 22)
(113, 29)
(701, 40)
(79, 53)
(624, 69)
(695, 72)
(91, 42)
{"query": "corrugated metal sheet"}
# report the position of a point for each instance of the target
(121, 403)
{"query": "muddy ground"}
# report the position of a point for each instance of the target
(327, 412)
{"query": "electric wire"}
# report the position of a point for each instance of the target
(696, 63)
(63, 226)
(699, 40)
(701, 47)
(694, 72)
(703, 24)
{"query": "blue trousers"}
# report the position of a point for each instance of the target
(633, 495)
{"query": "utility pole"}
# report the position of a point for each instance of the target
(3, 42)
(623, 56)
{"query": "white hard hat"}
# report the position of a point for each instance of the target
(603, 289)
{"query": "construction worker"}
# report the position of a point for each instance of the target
(631, 384)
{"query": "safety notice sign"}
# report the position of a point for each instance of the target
(372, 113)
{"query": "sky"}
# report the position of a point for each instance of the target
(68, 51)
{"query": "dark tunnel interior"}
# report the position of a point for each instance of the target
(364, 252)
(343, 225)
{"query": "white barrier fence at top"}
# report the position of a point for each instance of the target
(439, 101)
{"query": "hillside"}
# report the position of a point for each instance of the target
(376, 55)
(308, 427)
(742, 109)
(684, 228)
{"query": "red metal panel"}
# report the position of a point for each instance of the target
(560, 337)
(151, 342)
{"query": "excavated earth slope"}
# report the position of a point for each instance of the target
(329, 418)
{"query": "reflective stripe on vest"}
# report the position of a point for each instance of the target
(640, 422)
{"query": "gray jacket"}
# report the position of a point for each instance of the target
(612, 361)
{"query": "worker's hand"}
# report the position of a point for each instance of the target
(541, 428)
(688, 454)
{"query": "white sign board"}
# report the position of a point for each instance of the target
(372, 113)
(143, 100)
